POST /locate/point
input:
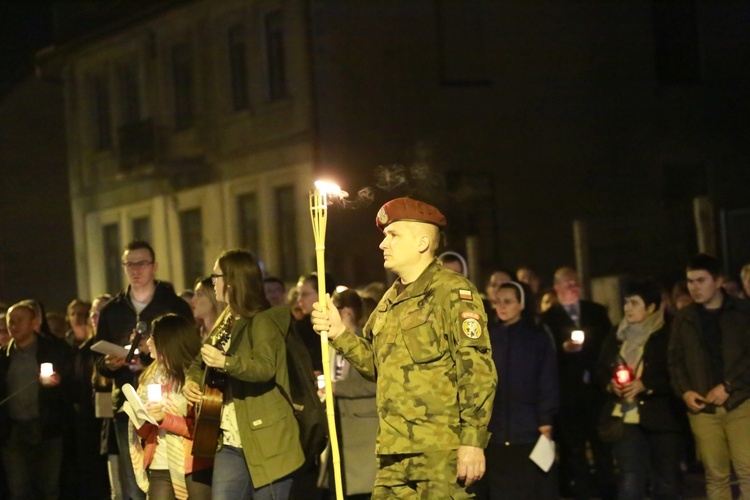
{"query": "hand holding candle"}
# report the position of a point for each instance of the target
(154, 393)
(47, 375)
(623, 374)
(154, 406)
(577, 336)
(575, 342)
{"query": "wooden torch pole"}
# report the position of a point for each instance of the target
(319, 214)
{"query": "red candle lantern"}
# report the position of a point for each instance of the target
(623, 374)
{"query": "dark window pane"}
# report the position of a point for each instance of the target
(276, 66)
(102, 119)
(676, 41)
(287, 223)
(142, 229)
(112, 257)
(247, 218)
(736, 234)
(182, 78)
(191, 233)
(461, 42)
(130, 102)
(238, 67)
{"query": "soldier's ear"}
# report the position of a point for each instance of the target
(424, 243)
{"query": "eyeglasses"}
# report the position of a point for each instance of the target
(137, 265)
(214, 277)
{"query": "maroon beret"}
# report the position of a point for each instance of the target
(409, 210)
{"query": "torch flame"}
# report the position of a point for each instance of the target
(326, 188)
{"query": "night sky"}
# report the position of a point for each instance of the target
(25, 27)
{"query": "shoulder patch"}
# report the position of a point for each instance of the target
(471, 328)
(465, 294)
(470, 314)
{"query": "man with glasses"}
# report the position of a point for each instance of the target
(144, 300)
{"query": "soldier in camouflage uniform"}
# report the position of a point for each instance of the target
(427, 347)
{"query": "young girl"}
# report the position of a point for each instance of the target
(259, 439)
(163, 464)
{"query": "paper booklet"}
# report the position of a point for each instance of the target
(104, 347)
(134, 407)
(543, 453)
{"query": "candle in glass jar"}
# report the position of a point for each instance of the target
(154, 392)
(577, 336)
(47, 370)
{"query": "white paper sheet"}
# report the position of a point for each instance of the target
(104, 347)
(543, 454)
(134, 407)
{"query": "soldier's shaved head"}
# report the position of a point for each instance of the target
(429, 231)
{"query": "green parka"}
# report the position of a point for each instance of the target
(257, 367)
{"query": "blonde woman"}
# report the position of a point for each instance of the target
(206, 309)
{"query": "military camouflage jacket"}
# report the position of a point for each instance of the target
(428, 349)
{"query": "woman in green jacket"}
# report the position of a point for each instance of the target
(258, 446)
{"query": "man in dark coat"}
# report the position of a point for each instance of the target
(709, 362)
(35, 409)
(580, 400)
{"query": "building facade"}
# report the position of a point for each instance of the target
(201, 125)
(189, 127)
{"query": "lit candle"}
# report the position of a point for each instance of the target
(623, 374)
(47, 371)
(577, 336)
(321, 381)
(154, 392)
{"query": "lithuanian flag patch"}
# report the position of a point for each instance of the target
(465, 294)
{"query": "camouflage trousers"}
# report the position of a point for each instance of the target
(420, 476)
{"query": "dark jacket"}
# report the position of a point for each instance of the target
(117, 321)
(689, 362)
(527, 394)
(658, 409)
(311, 339)
(55, 403)
(577, 369)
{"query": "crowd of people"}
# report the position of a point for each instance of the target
(440, 391)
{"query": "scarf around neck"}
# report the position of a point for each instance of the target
(635, 335)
